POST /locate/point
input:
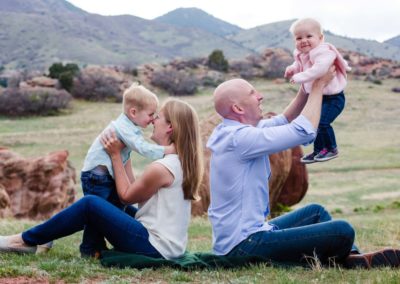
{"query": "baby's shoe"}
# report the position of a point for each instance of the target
(308, 159)
(326, 155)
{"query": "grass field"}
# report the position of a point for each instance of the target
(362, 186)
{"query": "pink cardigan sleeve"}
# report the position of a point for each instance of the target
(322, 59)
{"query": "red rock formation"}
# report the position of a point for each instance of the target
(35, 188)
(288, 183)
(296, 184)
(42, 81)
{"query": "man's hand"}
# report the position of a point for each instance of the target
(324, 80)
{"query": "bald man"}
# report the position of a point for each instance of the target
(239, 173)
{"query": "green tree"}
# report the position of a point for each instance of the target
(64, 73)
(217, 61)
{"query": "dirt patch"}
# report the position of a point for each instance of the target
(26, 280)
(381, 195)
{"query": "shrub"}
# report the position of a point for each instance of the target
(96, 86)
(212, 79)
(57, 69)
(134, 72)
(245, 69)
(64, 73)
(217, 61)
(175, 82)
(276, 67)
(3, 82)
(33, 101)
(66, 80)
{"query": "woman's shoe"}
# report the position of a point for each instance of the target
(7, 244)
(41, 249)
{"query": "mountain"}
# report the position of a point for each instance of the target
(394, 41)
(36, 33)
(198, 19)
(278, 35)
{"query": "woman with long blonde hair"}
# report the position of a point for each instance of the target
(164, 192)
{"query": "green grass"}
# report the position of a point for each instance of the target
(361, 186)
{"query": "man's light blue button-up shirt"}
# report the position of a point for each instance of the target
(132, 136)
(239, 173)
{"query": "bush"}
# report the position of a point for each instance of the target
(212, 79)
(217, 61)
(65, 74)
(245, 69)
(276, 67)
(57, 69)
(66, 80)
(96, 86)
(175, 82)
(33, 101)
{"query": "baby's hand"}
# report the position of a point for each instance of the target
(288, 72)
(170, 149)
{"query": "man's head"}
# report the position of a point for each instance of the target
(238, 100)
(139, 105)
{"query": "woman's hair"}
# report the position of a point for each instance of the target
(139, 97)
(187, 140)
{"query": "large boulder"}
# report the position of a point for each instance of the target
(288, 183)
(35, 188)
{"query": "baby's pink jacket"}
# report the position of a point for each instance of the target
(312, 65)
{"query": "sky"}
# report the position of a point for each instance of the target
(375, 20)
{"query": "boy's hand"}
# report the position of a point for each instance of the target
(170, 149)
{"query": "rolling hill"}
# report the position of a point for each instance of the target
(36, 33)
(198, 19)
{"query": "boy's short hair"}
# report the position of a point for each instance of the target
(304, 21)
(139, 97)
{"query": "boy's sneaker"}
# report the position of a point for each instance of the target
(308, 159)
(326, 155)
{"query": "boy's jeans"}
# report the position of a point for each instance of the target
(124, 232)
(305, 232)
(102, 185)
(332, 106)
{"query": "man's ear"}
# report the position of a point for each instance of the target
(237, 109)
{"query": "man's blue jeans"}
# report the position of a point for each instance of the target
(332, 106)
(124, 232)
(306, 232)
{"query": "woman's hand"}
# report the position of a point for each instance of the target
(111, 143)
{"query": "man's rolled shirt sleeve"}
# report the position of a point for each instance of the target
(267, 138)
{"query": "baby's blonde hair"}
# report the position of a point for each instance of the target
(311, 21)
(139, 97)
